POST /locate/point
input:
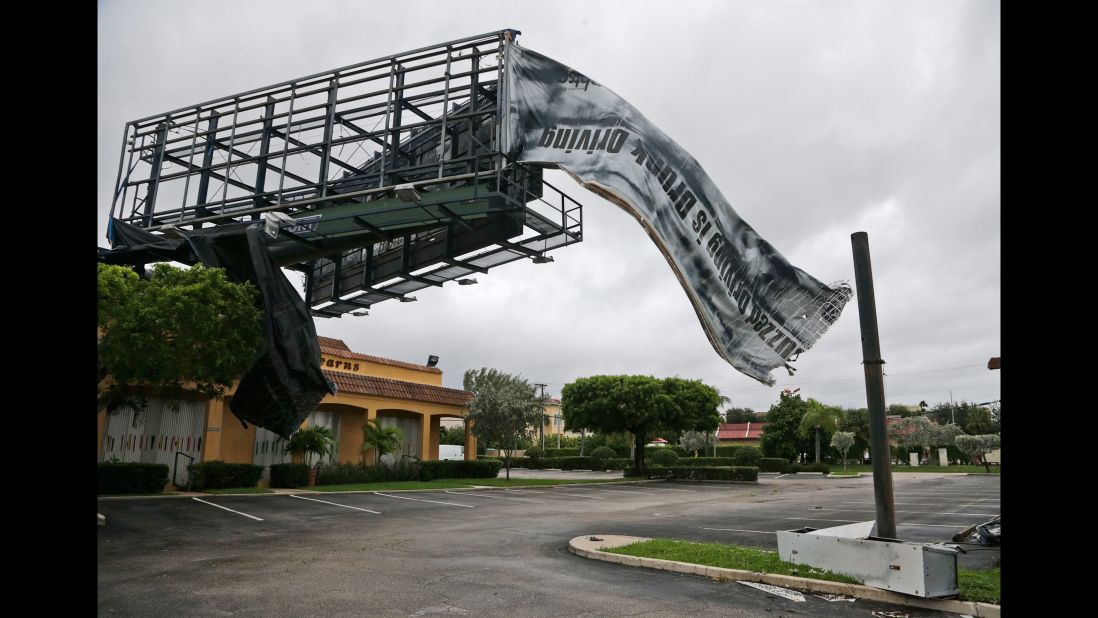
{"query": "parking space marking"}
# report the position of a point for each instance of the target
(738, 530)
(545, 493)
(474, 494)
(912, 512)
(468, 506)
(620, 491)
(954, 526)
(335, 504)
(693, 491)
(228, 509)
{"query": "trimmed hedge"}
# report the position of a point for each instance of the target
(706, 461)
(699, 473)
(289, 475)
(728, 451)
(604, 453)
(131, 478)
(813, 467)
(773, 464)
(663, 457)
(349, 473)
(561, 452)
(220, 475)
(535, 452)
(747, 456)
(447, 469)
(576, 463)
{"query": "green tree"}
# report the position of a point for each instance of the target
(694, 441)
(782, 422)
(817, 418)
(978, 446)
(842, 441)
(381, 439)
(181, 329)
(856, 421)
(451, 435)
(640, 405)
(318, 440)
(978, 421)
(739, 415)
(503, 409)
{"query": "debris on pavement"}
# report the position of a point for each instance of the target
(792, 595)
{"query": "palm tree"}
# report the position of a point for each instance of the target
(383, 440)
(818, 417)
(318, 440)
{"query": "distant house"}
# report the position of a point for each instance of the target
(740, 434)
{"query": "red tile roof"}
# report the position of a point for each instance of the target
(336, 347)
(398, 389)
(740, 431)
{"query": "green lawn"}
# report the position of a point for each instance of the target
(456, 484)
(982, 586)
(239, 490)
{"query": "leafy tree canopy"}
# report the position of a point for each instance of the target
(783, 419)
(191, 329)
(641, 405)
(503, 409)
(740, 415)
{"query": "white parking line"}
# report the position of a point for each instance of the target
(738, 530)
(620, 491)
(477, 495)
(228, 509)
(335, 504)
(954, 526)
(693, 491)
(545, 493)
(468, 506)
(913, 512)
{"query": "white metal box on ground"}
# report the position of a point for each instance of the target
(918, 569)
(451, 451)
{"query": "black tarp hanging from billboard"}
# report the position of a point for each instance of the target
(285, 382)
(758, 310)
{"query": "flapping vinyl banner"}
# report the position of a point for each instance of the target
(758, 310)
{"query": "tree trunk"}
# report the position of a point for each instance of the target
(987, 466)
(583, 441)
(817, 445)
(638, 453)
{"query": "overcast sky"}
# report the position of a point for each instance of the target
(815, 119)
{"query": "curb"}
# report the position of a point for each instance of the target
(847, 476)
(582, 546)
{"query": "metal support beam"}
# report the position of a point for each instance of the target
(874, 388)
(207, 161)
(264, 150)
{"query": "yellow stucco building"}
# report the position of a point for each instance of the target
(185, 428)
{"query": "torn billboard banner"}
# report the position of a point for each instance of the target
(758, 310)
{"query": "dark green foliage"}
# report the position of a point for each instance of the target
(446, 469)
(704, 473)
(813, 467)
(781, 438)
(348, 473)
(747, 456)
(289, 475)
(641, 405)
(664, 457)
(603, 453)
(675, 448)
(220, 475)
(503, 409)
(191, 329)
(131, 478)
(535, 452)
(451, 435)
(705, 461)
(740, 415)
(617, 463)
(576, 463)
(773, 464)
(563, 452)
(318, 440)
(728, 451)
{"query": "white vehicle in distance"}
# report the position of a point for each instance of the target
(453, 452)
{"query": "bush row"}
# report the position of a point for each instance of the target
(347, 473)
(777, 464)
(131, 478)
(220, 475)
(698, 473)
(446, 469)
(289, 475)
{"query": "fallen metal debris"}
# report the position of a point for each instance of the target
(832, 598)
(792, 595)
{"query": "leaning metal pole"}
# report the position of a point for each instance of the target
(874, 388)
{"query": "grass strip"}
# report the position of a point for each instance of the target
(457, 484)
(980, 586)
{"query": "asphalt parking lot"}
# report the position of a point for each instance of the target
(490, 552)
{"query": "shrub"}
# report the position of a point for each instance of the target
(674, 448)
(562, 452)
(773, 464)
(220, 475)
(289, 475)
(813, 467)
(617, 463)
(603, 454)
(535, 452)
(446, 469)
(132, 478)
(700, 473)
(747, 456)
(664, 457)
(347, 473)
(576, 463)
(705, 461)
(728, 451)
